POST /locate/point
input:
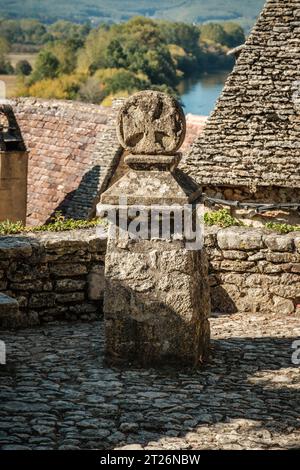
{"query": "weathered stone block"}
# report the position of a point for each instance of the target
(237, 238)
(287, 292)
(9, 312)
(283, 257)
(68, 269)
(70, 285)
(42, 300)
(270, 268)
(283, 306)
(35, 286)
(27, 273)
(85, 308)
(155, 315)
(70, 297)
(8, 305)
(76, 257)
(237, 266)
(296, 268)
(279, 242)
(96, 283)
(235, 255)
(14, 248)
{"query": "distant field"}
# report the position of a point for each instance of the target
(16, 57)
(11, 85)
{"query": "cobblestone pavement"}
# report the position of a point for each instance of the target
(55, 392)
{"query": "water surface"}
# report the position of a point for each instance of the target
(199, 94)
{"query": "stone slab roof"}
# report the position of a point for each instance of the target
(73, 152)
(252, 137)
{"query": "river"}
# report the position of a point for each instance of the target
(199, 94)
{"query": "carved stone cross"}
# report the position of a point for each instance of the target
(151, 123)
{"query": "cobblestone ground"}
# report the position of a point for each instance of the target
(55, 392)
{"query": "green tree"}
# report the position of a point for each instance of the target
(33, 31)
(23, 67)
(181, 34)
(159, 67)
(93, 55)
(47, 66)
(228, 34)
(141, 48)
(115, 55)
(66, 52)
(213, 32)
(67, 30)
(11, 31)
(235, 34)
(4, 45)
(124, 80)
(5, 65)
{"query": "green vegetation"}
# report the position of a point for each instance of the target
(58, 224)
(47, 65)
(23, 67)
(64, 29)
(117, 60)
(30, 32)
(5, 66)
(282, 228)
(23, 31)
(227, 34)
(222, 218)
(96, 11)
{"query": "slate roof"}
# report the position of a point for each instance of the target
(252, 137)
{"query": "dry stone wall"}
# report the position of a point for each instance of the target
(53, 276)
(60, 276)
(254, 270)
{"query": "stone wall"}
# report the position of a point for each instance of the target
(54, 276)
(253, 270)
(60, 276)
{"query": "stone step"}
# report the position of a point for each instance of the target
(9, 311)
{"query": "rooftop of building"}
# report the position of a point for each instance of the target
(252, 138)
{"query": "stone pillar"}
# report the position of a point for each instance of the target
(13, 186)
(13, 169)
(156, 295)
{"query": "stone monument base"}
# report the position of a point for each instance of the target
(157, 303)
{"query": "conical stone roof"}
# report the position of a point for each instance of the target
(253, 136)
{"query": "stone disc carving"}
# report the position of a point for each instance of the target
(151, 122)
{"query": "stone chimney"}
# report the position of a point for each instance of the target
(156, 295)
(13, 168)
